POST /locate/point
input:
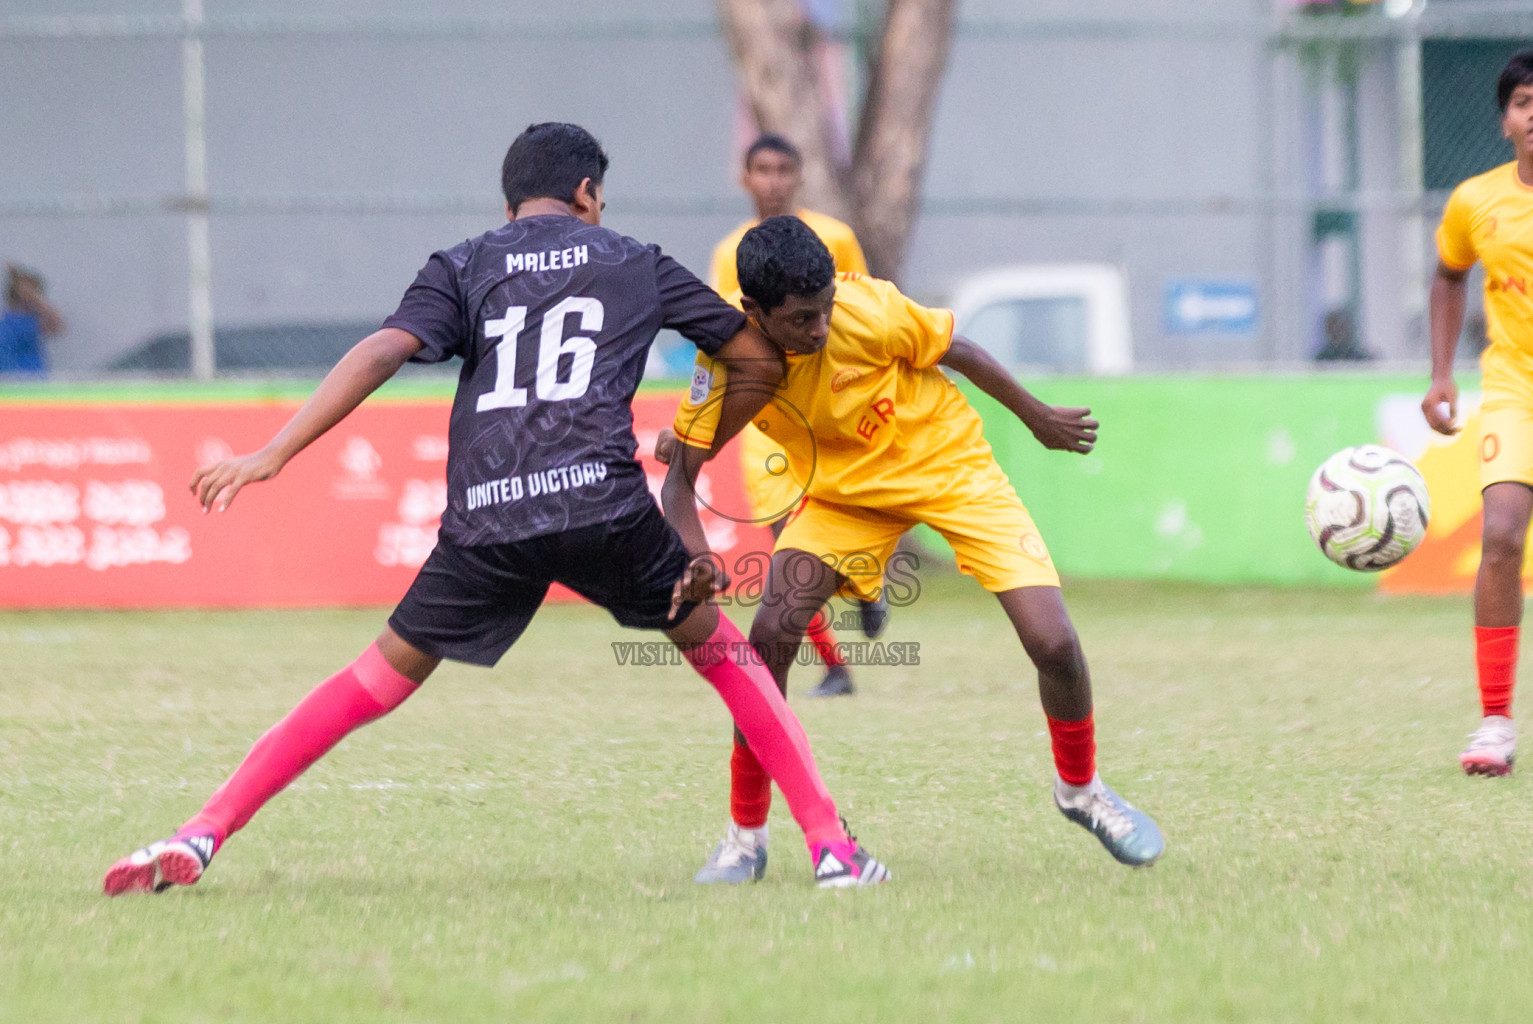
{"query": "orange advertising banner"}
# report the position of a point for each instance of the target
(95, 510)
(1449, 556)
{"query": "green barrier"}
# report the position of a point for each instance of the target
(1196, 477)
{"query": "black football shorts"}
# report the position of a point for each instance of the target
(472, 603)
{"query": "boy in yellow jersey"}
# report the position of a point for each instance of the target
(1489, 219)
(772, 176)
(884, 441)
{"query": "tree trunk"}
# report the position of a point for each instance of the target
(889, 163)
(773, 47)
(880, 194)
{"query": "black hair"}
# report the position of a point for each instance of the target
(1518, 71)
(781, 257)
(772, 142)
(549, 161)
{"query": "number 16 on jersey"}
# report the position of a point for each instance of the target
(552, 346)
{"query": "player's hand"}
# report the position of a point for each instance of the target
(1440, 407)
(665, 446)
(1065, 429)
(218, 483)
(700, 581)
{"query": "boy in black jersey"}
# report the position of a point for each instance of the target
(553, 316)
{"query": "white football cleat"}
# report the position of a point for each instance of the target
(741, 856)
(1492, 747)
(1129, 834)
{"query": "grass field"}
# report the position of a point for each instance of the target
(518, 844)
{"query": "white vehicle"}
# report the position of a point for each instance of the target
(1049, 317)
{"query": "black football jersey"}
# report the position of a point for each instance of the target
(554, 319)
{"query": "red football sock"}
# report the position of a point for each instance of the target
(750, 788)
(363, 691)
(824, 640)
(1495, 659)
(1075, 750)
(772, 730)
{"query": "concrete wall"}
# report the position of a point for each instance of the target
(1116, 137)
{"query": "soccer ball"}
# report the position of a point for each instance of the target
(1367, 507)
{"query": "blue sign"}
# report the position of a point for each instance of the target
(1198, 305)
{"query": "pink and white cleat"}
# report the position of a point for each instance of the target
(1492, 747)
(179, 860)
(838, 865)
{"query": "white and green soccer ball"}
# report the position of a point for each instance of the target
(1367, 507)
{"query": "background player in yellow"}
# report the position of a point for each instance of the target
(772, 176)
(884, 440)
(1489, 219)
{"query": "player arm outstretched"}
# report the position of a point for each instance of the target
(1061, 428)
(1446, 315)
(364, 369)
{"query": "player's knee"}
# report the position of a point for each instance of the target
(1058, 655)
(1503, 541)
(765, 626)
(771, 635)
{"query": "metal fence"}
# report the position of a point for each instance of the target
(1360, 119)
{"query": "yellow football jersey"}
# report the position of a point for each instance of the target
(773, 491)
(1489, 219)
(838, 238)
(869, 419)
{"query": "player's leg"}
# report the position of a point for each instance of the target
(837, 681)
(465, 604)
(1506, 474)
(717, 650)
(741, 856)
(1498, 625)
(798, 585)
(1048, 636)
(777, 739)
(377, 682)
(634, 574)
(776, 632)
(1064, 686)
(996, 542)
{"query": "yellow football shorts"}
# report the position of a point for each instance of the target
(990, 531)
(1506, 439)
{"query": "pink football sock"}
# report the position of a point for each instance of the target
(772, 730)
(363, 691)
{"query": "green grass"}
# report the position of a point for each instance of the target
(518, 844)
